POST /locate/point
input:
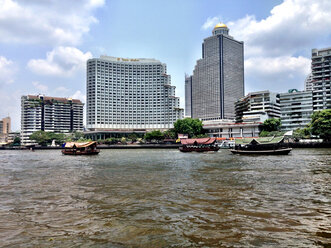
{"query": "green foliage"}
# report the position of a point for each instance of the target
(17, 141)
(301, 133)
(170, 134)
(271, 125)
(78, 135)
(75, 136)
(321, 124)
(189, 126)
(270, 134)
(58, 137)
(45, 138)
(41, 137)
(154, 135)
(133, 137)
(111, 141)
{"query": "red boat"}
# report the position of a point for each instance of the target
(199, 145)
(80, 148)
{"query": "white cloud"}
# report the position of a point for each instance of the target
(273, 44)
(7, 71)
(210, 23)
(291, 26)
(61, 90)
(47, 22)
(79, 95)
(61, 61)
(283, 72)
(11, 106)
(41, 87)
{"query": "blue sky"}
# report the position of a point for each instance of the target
(44, 44)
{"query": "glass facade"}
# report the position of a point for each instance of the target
(218, 78)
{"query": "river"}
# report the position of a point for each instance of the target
(164, 198)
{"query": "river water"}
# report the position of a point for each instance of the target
(164, 198)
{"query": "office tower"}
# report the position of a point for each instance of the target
(257, 107)
(321, 67)
(188, 96)
(296, 109)
(218, 78)
(309, 82)
(5, 126)
(128, 95)
(50, 114)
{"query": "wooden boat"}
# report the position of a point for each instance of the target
(80, 148)
(261, 146)
(199, 145)
(283, 151)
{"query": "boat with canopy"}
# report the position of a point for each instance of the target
(80, 148)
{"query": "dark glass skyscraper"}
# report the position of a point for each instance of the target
(218, 78)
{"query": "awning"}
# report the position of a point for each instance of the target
(200, 141)
(79, 144)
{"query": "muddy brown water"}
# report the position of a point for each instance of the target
(164, 198)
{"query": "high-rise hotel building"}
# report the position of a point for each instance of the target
(130, 95)
(50, 114)
(218, 78)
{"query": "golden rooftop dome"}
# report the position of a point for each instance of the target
(220, 25)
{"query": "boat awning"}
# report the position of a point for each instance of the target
(200, 141)
(261, 140)
(79, 144)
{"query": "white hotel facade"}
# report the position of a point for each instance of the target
(128, 95)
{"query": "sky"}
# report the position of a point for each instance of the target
(44, 44)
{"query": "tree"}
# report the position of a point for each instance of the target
(169, 134)
(78, 135)
(321, 124)
(41, 137)
(133, 137)
(301, 133)
(45, 138)
(271, 125)
(154, 135)
(58, 137)
(17, 141)
(192, 127)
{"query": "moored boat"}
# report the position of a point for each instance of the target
(261, 146)
(199, 145)
(80, 148)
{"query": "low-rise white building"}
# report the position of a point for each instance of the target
(229, 129)
(257, 107)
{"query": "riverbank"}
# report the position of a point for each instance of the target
(128, 146)
(162, 146)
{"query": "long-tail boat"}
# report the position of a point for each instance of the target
(80, 148)
(261, 146)
(199, 145)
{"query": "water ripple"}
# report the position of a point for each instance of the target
(164, 198)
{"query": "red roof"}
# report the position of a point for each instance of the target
(201, 141)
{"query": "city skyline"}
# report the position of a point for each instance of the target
(47, 52)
